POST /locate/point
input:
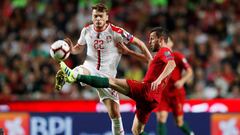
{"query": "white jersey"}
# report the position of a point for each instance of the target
(102, 54)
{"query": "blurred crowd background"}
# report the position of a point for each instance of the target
(206, 31)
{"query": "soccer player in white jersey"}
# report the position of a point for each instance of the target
(101, 39)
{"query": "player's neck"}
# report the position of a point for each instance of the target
(166, 46)
(101, 29)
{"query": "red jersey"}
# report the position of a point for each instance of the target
(181, 64)
(158, 64)
(156, 67)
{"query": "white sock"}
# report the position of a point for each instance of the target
(117, 126)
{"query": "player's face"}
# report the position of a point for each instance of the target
(154, 41)
(99, 19)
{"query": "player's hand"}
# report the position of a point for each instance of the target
(69, 41)
(179, 84)
(122, 48)
(155, 84)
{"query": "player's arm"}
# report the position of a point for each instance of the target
(166, 71)
(146, 56)
(123, 36)
(122, 48)
(187, 75)
(76, 49)
(79, 47)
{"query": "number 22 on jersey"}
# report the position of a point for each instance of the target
(98, 44)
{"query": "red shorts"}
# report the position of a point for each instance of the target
(172, 101)
(145, 103)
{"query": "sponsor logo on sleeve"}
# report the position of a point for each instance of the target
(168, 55)
(126, 35)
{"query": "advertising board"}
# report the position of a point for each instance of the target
(225, 124)
(15, 123)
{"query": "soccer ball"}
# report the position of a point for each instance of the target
(60, 50)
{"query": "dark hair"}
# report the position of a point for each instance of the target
(161, 32)
(100, 7)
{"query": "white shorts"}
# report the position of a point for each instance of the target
(103, 93)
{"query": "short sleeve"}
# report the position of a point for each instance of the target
(126, 37)
(82, 40)
(121, 35)
(166, 55)
(183, 60)
(186, 65)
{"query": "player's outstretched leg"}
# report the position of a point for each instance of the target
(59, 80)
(119, 85)
(68, 72)
(95, 81)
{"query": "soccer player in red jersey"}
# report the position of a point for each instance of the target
(147, 93)
(174, 95)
